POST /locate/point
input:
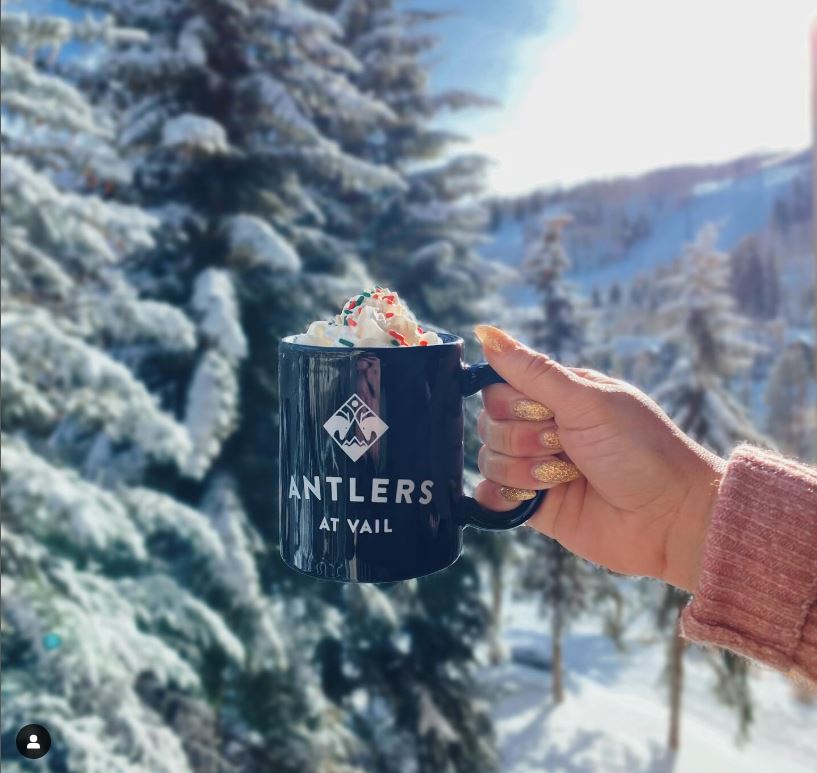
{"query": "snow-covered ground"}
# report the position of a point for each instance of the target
(614, 717)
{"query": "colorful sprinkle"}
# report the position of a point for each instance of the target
(351, 322)
(395, 343)
(397, 337)
(389, 314)
(345, 342)
(423, 343)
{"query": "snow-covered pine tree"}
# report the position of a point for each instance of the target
(790, 399)
(705, 336)
(562, 324)
(225, 114)
(112, 591)
(230, 113)
(561, 327)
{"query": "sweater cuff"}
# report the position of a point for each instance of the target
(758, 585)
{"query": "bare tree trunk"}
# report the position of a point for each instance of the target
(676, 686)
(557, 669)
(497, 589)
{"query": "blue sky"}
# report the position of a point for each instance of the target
(595, 88)
(480, 37)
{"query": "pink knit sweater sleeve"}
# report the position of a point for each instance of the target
(757, 593)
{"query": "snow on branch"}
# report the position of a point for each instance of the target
(301, 18)
(212, 411)
(28, 270)
(89, 230)
(255, 242)
(239, 574)
(92, 387)
(166, 609)
(22, 400)
(105, 644)
(60, 508)
(215, 304)
(273, 106)
(122, 317)
(333, 95)
(155, 513)
(431, 719)
(195, 133)
(353, 174)
(45, 99)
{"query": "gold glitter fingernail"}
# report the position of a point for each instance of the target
(493, 338)
(517, 494)
(530, 410)
(550, 439)
(555, 471)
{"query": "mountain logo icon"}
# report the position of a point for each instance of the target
(355, 427)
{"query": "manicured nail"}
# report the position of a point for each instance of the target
(530, 410)
(517, 494)
(555, 471)
(493, 338)
(550, 439)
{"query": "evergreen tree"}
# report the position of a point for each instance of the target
(111, 588)
(226, 113)
(755, 280)
(790, 399)
(562, 329)
(706, 337)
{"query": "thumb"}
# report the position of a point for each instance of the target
(532, 373)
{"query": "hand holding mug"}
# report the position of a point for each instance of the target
(636, 493)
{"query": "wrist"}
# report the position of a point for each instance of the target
(687, 537)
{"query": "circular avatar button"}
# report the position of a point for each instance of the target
(33, 741)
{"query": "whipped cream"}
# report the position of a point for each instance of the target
(375, 317)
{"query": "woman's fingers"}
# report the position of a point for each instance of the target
(500, 498)
(528, 473)
(503, 403)
(519, 438)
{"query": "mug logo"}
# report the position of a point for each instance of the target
(355, 427)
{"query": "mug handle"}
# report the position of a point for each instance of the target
(471, 512)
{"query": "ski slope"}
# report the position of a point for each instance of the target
(741, 205)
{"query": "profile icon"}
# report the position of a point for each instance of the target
(33, 741)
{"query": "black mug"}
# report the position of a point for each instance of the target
(371, 460)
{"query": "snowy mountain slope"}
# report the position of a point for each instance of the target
(615, 714)
(603, 244)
